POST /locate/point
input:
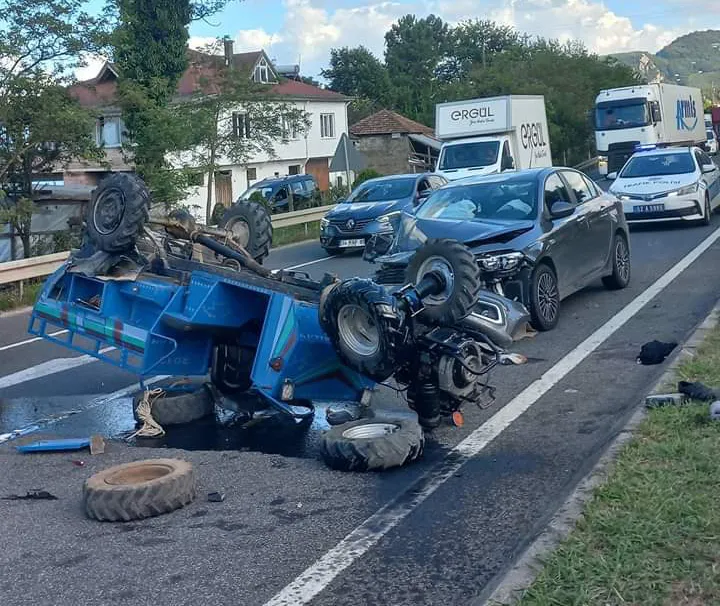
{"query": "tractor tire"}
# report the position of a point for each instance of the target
(178, 407)
(372, 444)
(252, 227)
(359, 317)
(139, 490)
(230, 368)
(458, 265)
(118, 210)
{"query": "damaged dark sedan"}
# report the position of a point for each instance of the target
(538, 236)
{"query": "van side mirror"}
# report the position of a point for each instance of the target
(655, 112)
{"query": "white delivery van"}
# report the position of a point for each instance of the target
(492, 135)
(645, 115)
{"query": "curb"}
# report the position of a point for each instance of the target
(529, 565)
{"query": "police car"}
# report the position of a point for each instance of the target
(668, 184)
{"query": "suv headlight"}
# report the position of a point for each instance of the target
(324, 223)
(386, 220)
(684, 191)
(501, 261)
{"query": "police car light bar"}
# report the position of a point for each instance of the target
(646, 147)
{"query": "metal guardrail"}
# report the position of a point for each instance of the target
(38, 267)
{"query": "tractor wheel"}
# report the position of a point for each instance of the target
(117, 213)
(231, 367)
(462, 276)
(358, 316)
(178, 404)
(251, 226)
(139, 490)
(372, 444)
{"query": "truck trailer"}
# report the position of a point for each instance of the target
(650, 114)
(492, 135)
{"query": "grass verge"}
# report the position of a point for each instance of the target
(296, 233)
(10, 297)
(650, 536)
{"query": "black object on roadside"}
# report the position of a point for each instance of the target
(697, 391)
(33, 495)
(216, 497)
(655, 352)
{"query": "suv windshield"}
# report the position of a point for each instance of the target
(658, 165)
(470, 155)
(265, 190)
(513, 199)
(381, 191)
(621, 114)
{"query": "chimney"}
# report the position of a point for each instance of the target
(228, 48)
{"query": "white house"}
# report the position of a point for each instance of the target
(309, 152)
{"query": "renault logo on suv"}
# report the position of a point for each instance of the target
(350, 223)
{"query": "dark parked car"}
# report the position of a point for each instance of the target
(373, 207)
(276, 191)
(538, 236)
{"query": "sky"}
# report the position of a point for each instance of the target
(304, 31)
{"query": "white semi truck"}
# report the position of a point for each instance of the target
(645, 115)
(492, 135)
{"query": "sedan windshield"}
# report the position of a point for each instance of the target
(470, 155)
(658, 165)
(382, 191)
(514, 199)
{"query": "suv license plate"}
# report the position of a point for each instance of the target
(649, 208)
(352, 243)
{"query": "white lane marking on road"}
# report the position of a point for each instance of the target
(28, 341)
(302, 264)
(356, 544)
(50, 367)
(41, 423)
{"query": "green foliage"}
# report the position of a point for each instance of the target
(358, 73)
(43, 128)
(365, 175)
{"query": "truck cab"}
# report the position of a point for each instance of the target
(475, 156)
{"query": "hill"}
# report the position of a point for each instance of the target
(693, 59)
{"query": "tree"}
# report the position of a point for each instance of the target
(41, 126)
(230, 119)
(414, 51)
(358, 73)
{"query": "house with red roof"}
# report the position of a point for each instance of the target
(309, 153)
(393, 144)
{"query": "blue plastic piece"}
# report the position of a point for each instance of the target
(55, 445)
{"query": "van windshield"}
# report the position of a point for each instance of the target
(470, 155)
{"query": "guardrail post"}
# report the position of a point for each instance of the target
(21, 288)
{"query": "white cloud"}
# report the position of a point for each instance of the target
(310, 30)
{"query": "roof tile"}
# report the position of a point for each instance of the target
(387, 122)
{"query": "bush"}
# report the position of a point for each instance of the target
(365, 175)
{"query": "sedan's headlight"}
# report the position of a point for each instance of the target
(502, 261)
(324, 223)
(684, 191)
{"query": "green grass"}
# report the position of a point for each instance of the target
(10, 297)
(650, 535)
(296, 233)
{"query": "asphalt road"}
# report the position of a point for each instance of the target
(451, 524)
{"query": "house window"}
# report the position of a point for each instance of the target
(289, 129)
(294, 169)
(251, 174)
(241, 125)
(109, 131)
(327, 126)
(196, 178)
(262, 72)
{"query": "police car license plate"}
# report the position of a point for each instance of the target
(649, 208)
(352, 243)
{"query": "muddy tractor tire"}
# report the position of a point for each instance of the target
(251, 226)
(139, 490)
(462, 276)
(359, 316)
(373, 444)
(118, 210)
(178, 405)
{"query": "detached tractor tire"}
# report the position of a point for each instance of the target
(359, 317)
(118, 210)
(372, 444)
(462, 275)
(139, 490)
(177, 407)
(251, 226)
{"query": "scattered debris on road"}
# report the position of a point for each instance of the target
(96, 444)
(32, 495)
(697, 391)
(715, 411)
(666, 399)
(216, 497)
(655, 352)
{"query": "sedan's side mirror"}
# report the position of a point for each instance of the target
(561, 209)
(708, 168)
(612, 176)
